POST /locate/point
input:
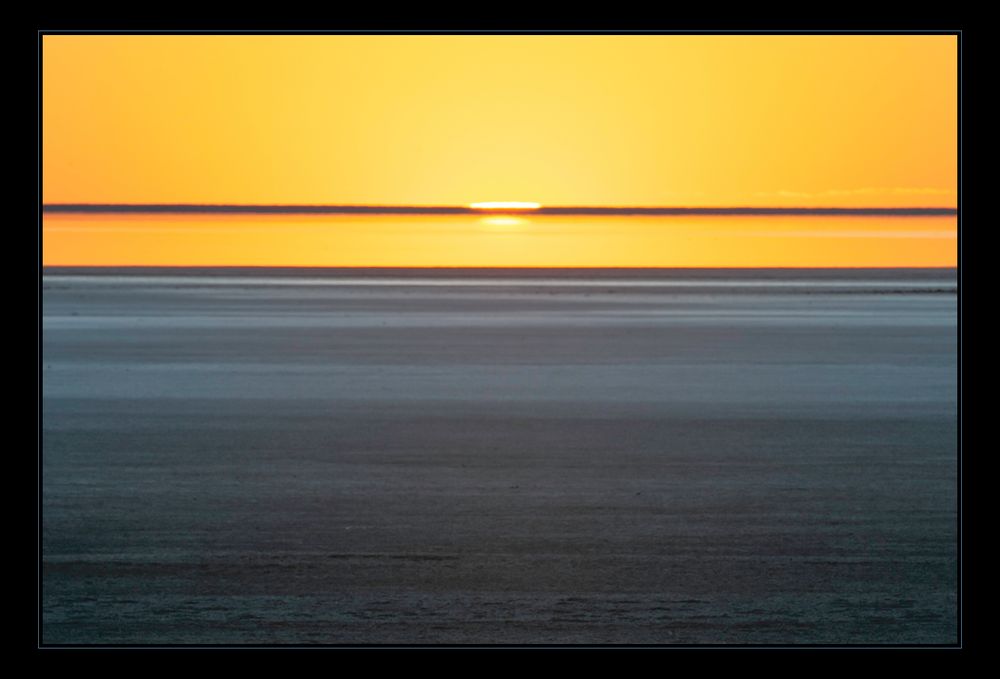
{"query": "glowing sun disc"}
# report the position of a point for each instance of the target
(505, 205)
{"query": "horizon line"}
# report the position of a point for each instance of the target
(289, 209)
(461, 268)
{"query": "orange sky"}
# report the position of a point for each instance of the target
(230, 240)
(571, 120)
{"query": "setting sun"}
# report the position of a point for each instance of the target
(505, 205)
(604, 121)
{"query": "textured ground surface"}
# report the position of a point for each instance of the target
(237, 460)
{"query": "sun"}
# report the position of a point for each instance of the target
(505, 205)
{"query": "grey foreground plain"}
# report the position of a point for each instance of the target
(337, 457)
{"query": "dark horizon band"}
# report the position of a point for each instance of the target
(192, 208)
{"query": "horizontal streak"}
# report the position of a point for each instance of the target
(735, 274)
(189, 208)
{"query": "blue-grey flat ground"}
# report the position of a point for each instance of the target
(245, 458)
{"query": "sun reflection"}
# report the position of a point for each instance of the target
(503, 223)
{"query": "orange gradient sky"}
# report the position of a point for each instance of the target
(562, 120)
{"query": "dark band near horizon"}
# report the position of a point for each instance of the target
(190, 208)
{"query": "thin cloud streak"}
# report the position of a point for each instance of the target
(864, 191)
